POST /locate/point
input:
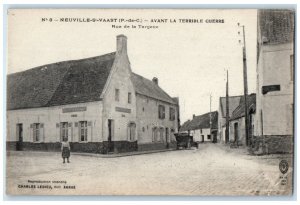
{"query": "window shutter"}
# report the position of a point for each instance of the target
(70, 135)
(89, 133)
(31, 131)
(42, 134)
(70, 124)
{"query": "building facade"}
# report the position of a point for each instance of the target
(97, 103)
(237, 128)
(203, 128)
(275, 81)
(233, 102)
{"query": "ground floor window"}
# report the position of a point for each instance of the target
(208, 137)
(131, 131)
(83, 131)
(63, 130)
(36, 132)
(161, 134)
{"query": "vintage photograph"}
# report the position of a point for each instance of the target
(150, 102)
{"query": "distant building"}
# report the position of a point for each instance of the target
(237, 132)
(201, 130)
(98, 103)
(275, 80)
(234, 102)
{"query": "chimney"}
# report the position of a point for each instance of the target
(193, 116)
(121, 43)
(155, 80)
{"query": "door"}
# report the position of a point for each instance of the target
(110, 136)
(202, 136)
(236, 132)
(167, 138)
(19, 137)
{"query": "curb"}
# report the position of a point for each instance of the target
(121, 154)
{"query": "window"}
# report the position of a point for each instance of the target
(154, 134)
(36, 132)
(292, 67)
(161, 134)
(161, 112)
(208, 137)
(129, 98)
(83, 131)
(117, 95)
(131, 131)
(63, 130)
(143, 129)
(172, 114)
(201, 131)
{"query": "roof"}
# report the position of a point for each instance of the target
(276, 26)
(148, 88)
(70, 82)
(201, 122)
(240, 110)
(60, 83)
(234, 101)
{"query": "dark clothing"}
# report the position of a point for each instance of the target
(65, 152)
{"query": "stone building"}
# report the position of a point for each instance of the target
(98, 103)
(275, 81)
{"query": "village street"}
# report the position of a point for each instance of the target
(211, 170)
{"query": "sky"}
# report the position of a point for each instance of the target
(189, 59)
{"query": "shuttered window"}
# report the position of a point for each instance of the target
(36, 132)
(83, 131)
(63, 130)
(161, 112)
(172, 114)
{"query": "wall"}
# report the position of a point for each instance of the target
(197, 135)
(119, 79)
(51, 117)
(241, 131)
(275, 107)
(147, 119)
(273, 128)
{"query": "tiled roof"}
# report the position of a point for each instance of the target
(201, 122)
(148, 88)
(60, 83)
(276, 26)
(234, 101)
(240, 110)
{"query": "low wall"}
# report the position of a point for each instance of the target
(89, 147)
(273, 144)
(156, 146)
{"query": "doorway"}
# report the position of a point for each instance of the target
(236, 132)
(110, 135)
(167, 138)
(19, 146)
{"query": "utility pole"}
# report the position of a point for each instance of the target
(245, 86)
(211, 139)
(227, 113)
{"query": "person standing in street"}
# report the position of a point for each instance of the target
(65, 149)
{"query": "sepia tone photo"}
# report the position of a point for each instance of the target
(147, 102)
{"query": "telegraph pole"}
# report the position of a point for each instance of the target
(245, 86)
(211, 138)
(227, 113)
